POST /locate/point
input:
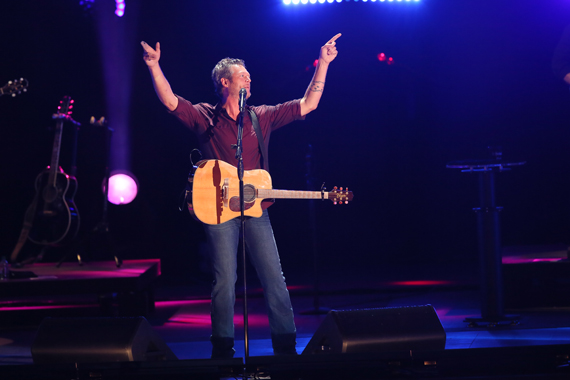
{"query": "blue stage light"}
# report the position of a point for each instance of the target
(86, 4)
(289, 2)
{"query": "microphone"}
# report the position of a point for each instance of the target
(242, 95)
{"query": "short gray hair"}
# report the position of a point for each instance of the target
(223, 69)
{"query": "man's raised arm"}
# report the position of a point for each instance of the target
(328, 53)
(161, 86)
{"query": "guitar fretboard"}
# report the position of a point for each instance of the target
(290, 194)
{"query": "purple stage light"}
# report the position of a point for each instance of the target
(123, 188)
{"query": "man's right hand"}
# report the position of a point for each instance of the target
(161, 85)
(150, 55)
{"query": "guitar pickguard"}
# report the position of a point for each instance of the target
(234, 204)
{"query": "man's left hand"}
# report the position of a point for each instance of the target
(328, 51)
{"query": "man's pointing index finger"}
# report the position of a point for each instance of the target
(334, 38)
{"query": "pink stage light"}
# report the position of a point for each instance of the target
(296, 2)
(123, 188)
(120, 8)
(421, 283)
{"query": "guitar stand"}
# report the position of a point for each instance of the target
(32, 260)
(103, 225)
(102, 228)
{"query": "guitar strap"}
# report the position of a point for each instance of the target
(28, 222)
(187, 192)
(262, 147)
(186, 195)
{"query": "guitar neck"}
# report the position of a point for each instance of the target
(63, 111)
(54, 164)
(291, 194)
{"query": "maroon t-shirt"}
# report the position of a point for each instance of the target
(217, 131)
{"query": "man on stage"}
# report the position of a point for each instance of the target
(216, 127)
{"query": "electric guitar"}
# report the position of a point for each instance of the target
(15, 87)
(215, 192)
(55, 217)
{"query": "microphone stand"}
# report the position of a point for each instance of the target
(239, 157)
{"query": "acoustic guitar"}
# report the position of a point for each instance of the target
(55, 218)
(215, 192)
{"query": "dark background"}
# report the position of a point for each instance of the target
(467, 75)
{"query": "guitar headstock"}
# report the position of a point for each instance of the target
(65, 107)
(340, 196)
(15, 87)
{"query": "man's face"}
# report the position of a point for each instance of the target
(240, 79)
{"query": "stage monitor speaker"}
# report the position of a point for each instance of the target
(378, 330)
(89, 340)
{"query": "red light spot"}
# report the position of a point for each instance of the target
(47, 307)
(297, 287)
(390, 61)
(314, 65)
(521, 260)
(192, 319)
(421, 283)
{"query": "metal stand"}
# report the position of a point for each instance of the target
(317, 309)
(490, 256)
(240, 169)
(103, 226)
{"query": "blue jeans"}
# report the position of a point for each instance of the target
(223, 241)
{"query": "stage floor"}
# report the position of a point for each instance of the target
(181, 318)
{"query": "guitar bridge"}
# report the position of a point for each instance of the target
(225, 192)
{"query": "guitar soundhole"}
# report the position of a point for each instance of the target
(248, 193)
(248, 199)
(50, 194)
